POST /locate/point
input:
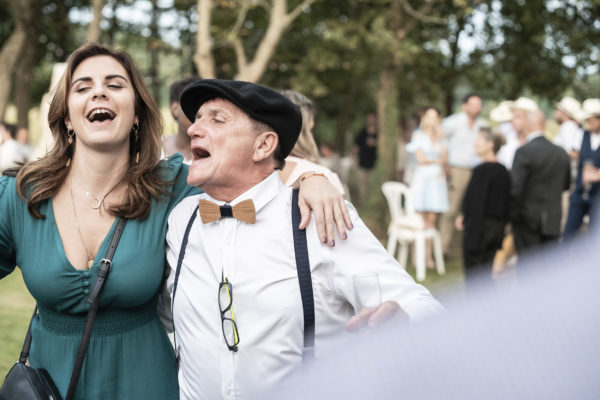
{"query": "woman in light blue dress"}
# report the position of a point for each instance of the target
(428, 183)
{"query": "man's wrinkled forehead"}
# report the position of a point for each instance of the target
(219, 105)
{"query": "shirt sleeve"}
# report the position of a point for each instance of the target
(416, 143)
(7, 247)
(363, 253)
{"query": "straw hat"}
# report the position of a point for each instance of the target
(590, 108)
(525, 104)
(569, 106)
(502, 113)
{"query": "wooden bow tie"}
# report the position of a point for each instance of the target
(244, 211)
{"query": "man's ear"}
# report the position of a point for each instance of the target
(264, 146)
(175, 110)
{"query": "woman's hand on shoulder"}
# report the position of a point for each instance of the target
(318, 195)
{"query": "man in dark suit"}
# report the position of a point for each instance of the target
(540, 173)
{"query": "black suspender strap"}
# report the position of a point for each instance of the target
(304, 279)
(177, 271)
(94, 298)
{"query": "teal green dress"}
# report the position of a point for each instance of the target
(129, 356)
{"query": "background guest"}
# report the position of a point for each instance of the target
(540, 173)
(305, 154)
(12, 152)
(180, 142)
(365, 152)
(485, 208)
(587, 190)
(429, 188)
(461, 130)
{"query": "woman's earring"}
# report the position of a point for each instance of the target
(137, 144)
(70, 137)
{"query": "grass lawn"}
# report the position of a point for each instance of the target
(16, 306)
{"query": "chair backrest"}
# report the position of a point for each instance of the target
(399, 199)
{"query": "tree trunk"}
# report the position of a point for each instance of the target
(153, 49)
(453, 71)
(340, 140)
(205, 63)
(374, 213)
(24, 77)
(114, 26)
(9, 54)
(93, 32)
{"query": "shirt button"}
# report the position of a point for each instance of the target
(86, 282)
(86, 291)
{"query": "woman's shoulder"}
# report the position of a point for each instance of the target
(7, 185)
(175, 171)
(173, 165)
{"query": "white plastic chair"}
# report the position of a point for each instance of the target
(406, 227)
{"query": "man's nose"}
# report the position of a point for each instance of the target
(196, 129)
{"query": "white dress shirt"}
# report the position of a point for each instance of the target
(569, 136)
(12, 153)
(259, 262)
(461, 140)
(506, 154)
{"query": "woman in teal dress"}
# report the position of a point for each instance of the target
(57, 214)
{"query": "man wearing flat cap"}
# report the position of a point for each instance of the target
(253, 295)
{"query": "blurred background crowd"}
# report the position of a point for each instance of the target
(484, 111)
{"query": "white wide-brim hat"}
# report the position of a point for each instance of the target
(569, 106)
(525, 104)
(502, 113)
(590, 108)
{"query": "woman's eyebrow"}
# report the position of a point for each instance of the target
(107, 78)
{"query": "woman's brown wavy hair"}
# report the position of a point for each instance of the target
(39, 180)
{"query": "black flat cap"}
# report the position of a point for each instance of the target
(260, 103)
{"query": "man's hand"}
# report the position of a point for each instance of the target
(373, 317)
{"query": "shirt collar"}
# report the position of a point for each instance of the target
(260, 194)
(534, 135)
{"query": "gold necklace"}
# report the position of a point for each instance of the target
(90, 256)
(100, 199)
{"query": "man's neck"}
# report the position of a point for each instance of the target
(235, 189)
(534, 134)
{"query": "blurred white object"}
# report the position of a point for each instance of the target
(406, 227)
(502, 113)
(590, 108)
(569, 106)
(525, 104)
(533, 340)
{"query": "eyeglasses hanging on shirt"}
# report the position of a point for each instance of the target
(228, 324)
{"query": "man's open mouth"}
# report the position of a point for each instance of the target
(200, 153)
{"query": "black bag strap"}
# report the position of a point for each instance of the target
(304, 279)
(177, 271)
(27, 344)
(94, 299)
